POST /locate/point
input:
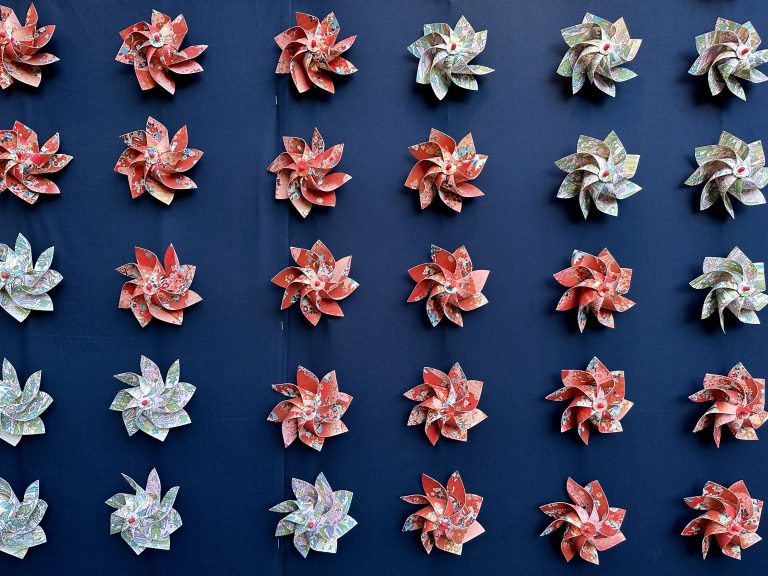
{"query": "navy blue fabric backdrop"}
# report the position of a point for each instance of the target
(230, 463)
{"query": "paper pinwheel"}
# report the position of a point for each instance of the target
(730, 167)
(317, 282)
(738, 403)
(156, 165)
(310, 51)
(152, 404)
(596, 395)
(20, 408)
(156, 290)
(144, 519)
(317, 518)
(599, 171)
(152, 48)
(449, 284)
(448, 519)
(447, 404)
(730, 514)
(313, 410)
(23, 160)
(24, 287)
(595, 284)
(597, 50)
(19, 47)
(20, 521)
(735, 283)
(303, 173)
(444, 169)
(729, 53)
(445, 54)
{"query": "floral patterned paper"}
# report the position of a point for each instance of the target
(20, 527)
(20, 408)
(20, 58)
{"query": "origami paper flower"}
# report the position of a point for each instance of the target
(730, 167)
(24, 287)
(590, 524)
(727, 53)
(19, 47)
(597, 50)
(156, 165)
(731, 515)
(20, 409)
(448, 519)
(596, 284)
(447, 404)
(449, 284)
(157, 291)
(599, 170)
(303, 173)
(309, 50)
(153, 50)
(317, 282)
(143, 519)
(151, 404)
(313, 410)
(317, 518)
(735, 283)
(20, 521)
(445, 54)
(443, 169)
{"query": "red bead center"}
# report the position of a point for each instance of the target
(606, 47)
(744, 51)
(131, 520)
(6, 274)
(311, 524)
(745, 288)
(453, 46)
(735, 528)
(741, 169)
(314, 44)
(742, 412)
(145, 402)
(302, 166)
(601, 405)
(589, 530)
(606, 174)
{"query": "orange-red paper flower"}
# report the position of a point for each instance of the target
(317, 282)
(731, 515)
(19, 45)
(591, 526)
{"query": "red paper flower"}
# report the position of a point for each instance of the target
(444, 169)
(157, 291)
(317, 282)
(302, 173)
(309, 50)
(596, 284)
(449, 284)
(19, 45)
(739, 404)
(447, 404)
(313, 410)
(731, 515)
(449, 517)
(590, 524)
(154, 164)
(596, 395)
(153, 50)
(22, 161)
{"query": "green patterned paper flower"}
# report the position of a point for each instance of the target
(152, 404)
(20, 409)
(144, 520)
(20, 521)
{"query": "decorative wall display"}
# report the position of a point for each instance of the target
(20, 408)
(20, 56)
(20, 527)
(24, 286)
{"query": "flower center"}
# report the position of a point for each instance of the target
(606, 174)
(606, 47)
(145, 402)
(151, 156)
(744, 51)
(604, 290)
(302, 167)
(589, 529)
(311, 524)
(131, 520)
(453, 45)
(601, 405)
(745, 288)
(6, 275)
(4, 39)
(313, 44)
(151, 286)
(742, 412)
(735, 528)
(317, 284)
(449, 168)
(156, 40)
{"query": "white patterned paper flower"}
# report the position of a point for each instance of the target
(20, 521)
(23, 286)
(20, 409)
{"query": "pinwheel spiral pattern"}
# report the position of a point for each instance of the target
(596, 395)
(734, 283)
(313, 410)
(309, 50)
(595, 284)
(317, 282)
(729, 53)
(730, 514)
(444, 169)
(155, 164)
(153, 50)
(20, 521)
(597, 51)
(20, 408)
(318, 516)
(599, 172)
(445, 54)
(19, 45)
(447, 404)
(23, 286)
(144, 519)
(591, 526)
(738, 403)
(730, 167)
